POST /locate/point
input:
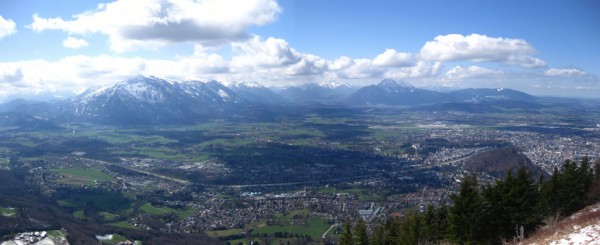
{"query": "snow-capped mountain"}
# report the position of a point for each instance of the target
(141, 100)
(256, 93)
(333, 85)
(391, 92)
(326, 93)
(150, 99)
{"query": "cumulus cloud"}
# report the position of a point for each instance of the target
(393, 58)
(74, 43)
(389, 64)
(271, 52)
(132, 24)
(480, 48)
(272, 57)
(7, 27)
(460, 72)
(564, 72)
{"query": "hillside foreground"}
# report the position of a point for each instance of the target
(582, 227)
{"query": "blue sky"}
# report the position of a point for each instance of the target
(61, 47)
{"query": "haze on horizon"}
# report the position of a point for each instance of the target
(60, 48)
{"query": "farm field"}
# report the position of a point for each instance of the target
(81, 176)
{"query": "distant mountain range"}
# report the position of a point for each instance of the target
(141, 100)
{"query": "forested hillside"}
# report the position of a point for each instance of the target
(508, 210)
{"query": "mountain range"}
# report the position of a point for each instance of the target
(141, 100)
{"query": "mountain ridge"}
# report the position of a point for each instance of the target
(141, 100)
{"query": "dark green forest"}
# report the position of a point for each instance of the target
(509, 209)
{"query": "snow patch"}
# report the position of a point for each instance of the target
(333, 85)
(224, 95)
(586, 235)
(246, 85)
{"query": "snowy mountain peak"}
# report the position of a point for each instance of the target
(389, 83)
(245, 85)
(333, 85)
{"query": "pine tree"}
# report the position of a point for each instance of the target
(465, 214)
(593, 194)
(378, 235)
(347, 238)
(521, 201)
(430, 228)
(550, 196)
(362, 238)
(410, 229)
(494, 219)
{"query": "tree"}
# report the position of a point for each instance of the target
(362, 238)
(565, 192)
(593, 194)
(410, 229)
(520, 200)
(346, 238)
(465, 214)
(550, 196)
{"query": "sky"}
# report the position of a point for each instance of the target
(53, 49)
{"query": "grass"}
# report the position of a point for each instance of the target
(79, 214)
(109, 201)
(314, 228)
(149, 209)
(81, 176)
(108, 216)
(182, 214)
(224, 233)
(69, 204)
(8, 212)
(124, 225)
(116, 239)
(58, 233)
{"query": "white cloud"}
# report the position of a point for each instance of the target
(480, 48)
(422, 69)
(272, 52)
(272, 61)
(132, 24)
(565, 72)
(273, 58)
(393, 58)
(389, 64)
(460, 72)
(74, 43)
(7, 27)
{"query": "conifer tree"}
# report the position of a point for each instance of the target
(593, 194)
(521, 201)
(465, 214)
(347, 238)
(362, 238)
(550, 196)
(410, 231)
